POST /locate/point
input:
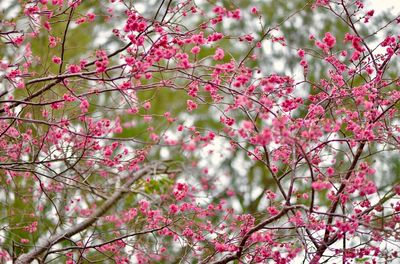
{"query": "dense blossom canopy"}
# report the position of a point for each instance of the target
(163, 132)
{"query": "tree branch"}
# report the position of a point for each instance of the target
(62, 235)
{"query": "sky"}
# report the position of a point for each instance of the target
(381, 5)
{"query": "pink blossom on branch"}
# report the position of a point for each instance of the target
(140, 148)
(219, 54)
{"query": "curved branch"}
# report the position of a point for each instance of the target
(258, 227)
(65, 234)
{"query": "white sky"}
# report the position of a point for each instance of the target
(381, 5)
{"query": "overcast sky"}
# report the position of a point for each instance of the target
(380, 5)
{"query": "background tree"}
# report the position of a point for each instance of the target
(198, 131)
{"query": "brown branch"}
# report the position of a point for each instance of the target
(110, 241)
(65, 234)
(258, 227)
(65, 39)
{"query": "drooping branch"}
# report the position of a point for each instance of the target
(65, 234)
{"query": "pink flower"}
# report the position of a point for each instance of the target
(369, 70)
(147, 118)
(297, 219)
(84, 106)
(219, 54)
(270, 195)
(32, 227)
(356, 42)
(220, 247)
(47, 26)
(272, 210)
(355, 56)
(90, 16)
(144, 205)
(329, 40)
(195, 50)
(180, 191)
(154, 137)
(147, 105)
(56, 60)
(304, 63)
(18, 40)
(80, 20)
(52, 42)
(236, 14)
(74, 68)
(188, 232)
(191, 105)
(330, 171)
(319, 185)
(20, 85)
(173, 209)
